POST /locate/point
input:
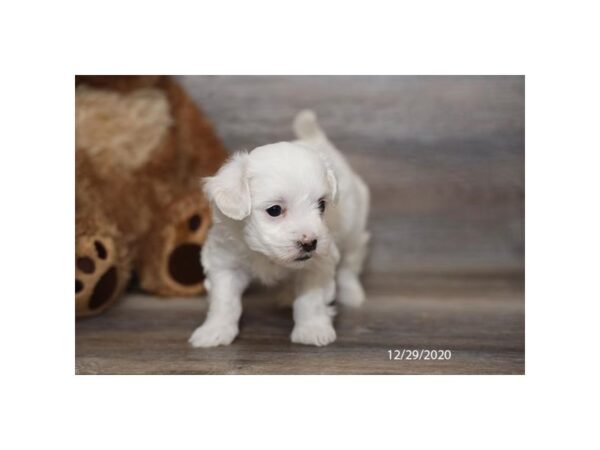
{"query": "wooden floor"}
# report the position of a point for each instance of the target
(480, 319)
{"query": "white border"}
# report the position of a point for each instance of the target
(45, 43)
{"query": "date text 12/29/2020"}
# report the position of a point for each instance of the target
(419, 355)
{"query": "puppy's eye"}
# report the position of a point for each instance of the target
(322, 206)
(274, 210)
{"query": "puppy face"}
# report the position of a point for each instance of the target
(282, 192)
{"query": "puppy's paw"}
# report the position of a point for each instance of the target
(213, 334)
(313, 333)
(350, 291)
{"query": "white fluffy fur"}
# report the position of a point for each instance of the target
(245, 243)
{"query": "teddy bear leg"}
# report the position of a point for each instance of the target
(170, 264)
(99, 277)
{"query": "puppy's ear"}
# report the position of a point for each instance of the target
(333, 185)
(332, 181)
(229, 189)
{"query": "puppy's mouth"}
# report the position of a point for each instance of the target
(303, 258)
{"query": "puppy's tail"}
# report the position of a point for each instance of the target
(307, 127)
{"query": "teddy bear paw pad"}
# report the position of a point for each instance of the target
(96, 278)
(184, 263)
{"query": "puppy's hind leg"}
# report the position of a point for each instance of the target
(349, 288)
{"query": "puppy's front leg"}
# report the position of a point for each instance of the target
(312, 314)
(224, 310)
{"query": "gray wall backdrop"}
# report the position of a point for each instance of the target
(443, 156)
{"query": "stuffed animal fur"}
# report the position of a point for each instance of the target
(142, 146)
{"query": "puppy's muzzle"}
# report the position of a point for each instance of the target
(307, 246)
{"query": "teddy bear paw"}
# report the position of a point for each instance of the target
(171, 255)
(184, 260)
(96, 276)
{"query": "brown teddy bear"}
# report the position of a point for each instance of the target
(142, 146)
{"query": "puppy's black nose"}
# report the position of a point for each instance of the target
(308, 246)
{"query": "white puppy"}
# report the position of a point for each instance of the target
(293, 212)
